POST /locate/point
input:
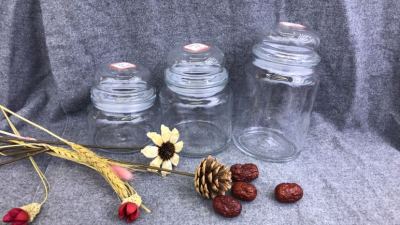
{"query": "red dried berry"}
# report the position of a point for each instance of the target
(244, 191)
(244, 172)
(227, 206)
(288, 192)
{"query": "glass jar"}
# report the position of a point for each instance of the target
(197, 100)
(275, 106)
(124, 108)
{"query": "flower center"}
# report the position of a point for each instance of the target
(166, 151)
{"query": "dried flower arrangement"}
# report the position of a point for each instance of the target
(211, 178)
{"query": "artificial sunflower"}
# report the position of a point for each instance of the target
(165, 153)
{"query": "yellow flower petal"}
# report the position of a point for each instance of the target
(178, 146)
(165, 133)
(156, 138)
(150, 151)
(174, 136)
(156, 162)
(175, 159)
(166, 165)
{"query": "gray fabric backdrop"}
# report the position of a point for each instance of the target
(349, 169)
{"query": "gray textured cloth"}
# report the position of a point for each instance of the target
(349, 169)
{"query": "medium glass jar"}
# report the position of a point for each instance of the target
(275, 106)
(124, 108)
(197, 100)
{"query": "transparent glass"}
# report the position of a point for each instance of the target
(274, 107)
(125, 130)
(124, 108)
(197, 100)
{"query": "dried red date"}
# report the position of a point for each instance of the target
(288, 192)
(244, 191)
(227, 206)
(244, 172)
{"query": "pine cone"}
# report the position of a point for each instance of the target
(212, 178)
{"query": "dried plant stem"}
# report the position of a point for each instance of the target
(36, 141)
(73, 157)
(6, 147)
(46, 186)
(79, 154)
(20, 152)
(22, 157)
(136, 166)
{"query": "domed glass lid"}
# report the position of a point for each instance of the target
(196, 69)
(290, 44)
(123, 87)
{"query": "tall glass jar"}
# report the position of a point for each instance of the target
(279, 91)
(196, 99)
(124, 108)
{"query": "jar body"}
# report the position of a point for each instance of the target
(204, 121)
(273, 110)
(125, 130)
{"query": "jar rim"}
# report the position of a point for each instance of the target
(206, 85)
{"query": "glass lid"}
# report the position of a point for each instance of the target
(289, 44)
(123, 87)
(196, 68)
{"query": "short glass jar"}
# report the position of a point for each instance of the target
(197, 100)
(124, 108)
(278, 94)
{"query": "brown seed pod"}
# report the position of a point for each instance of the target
(212, 178)
(288, 192)
(227, 206)
(244, 191)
